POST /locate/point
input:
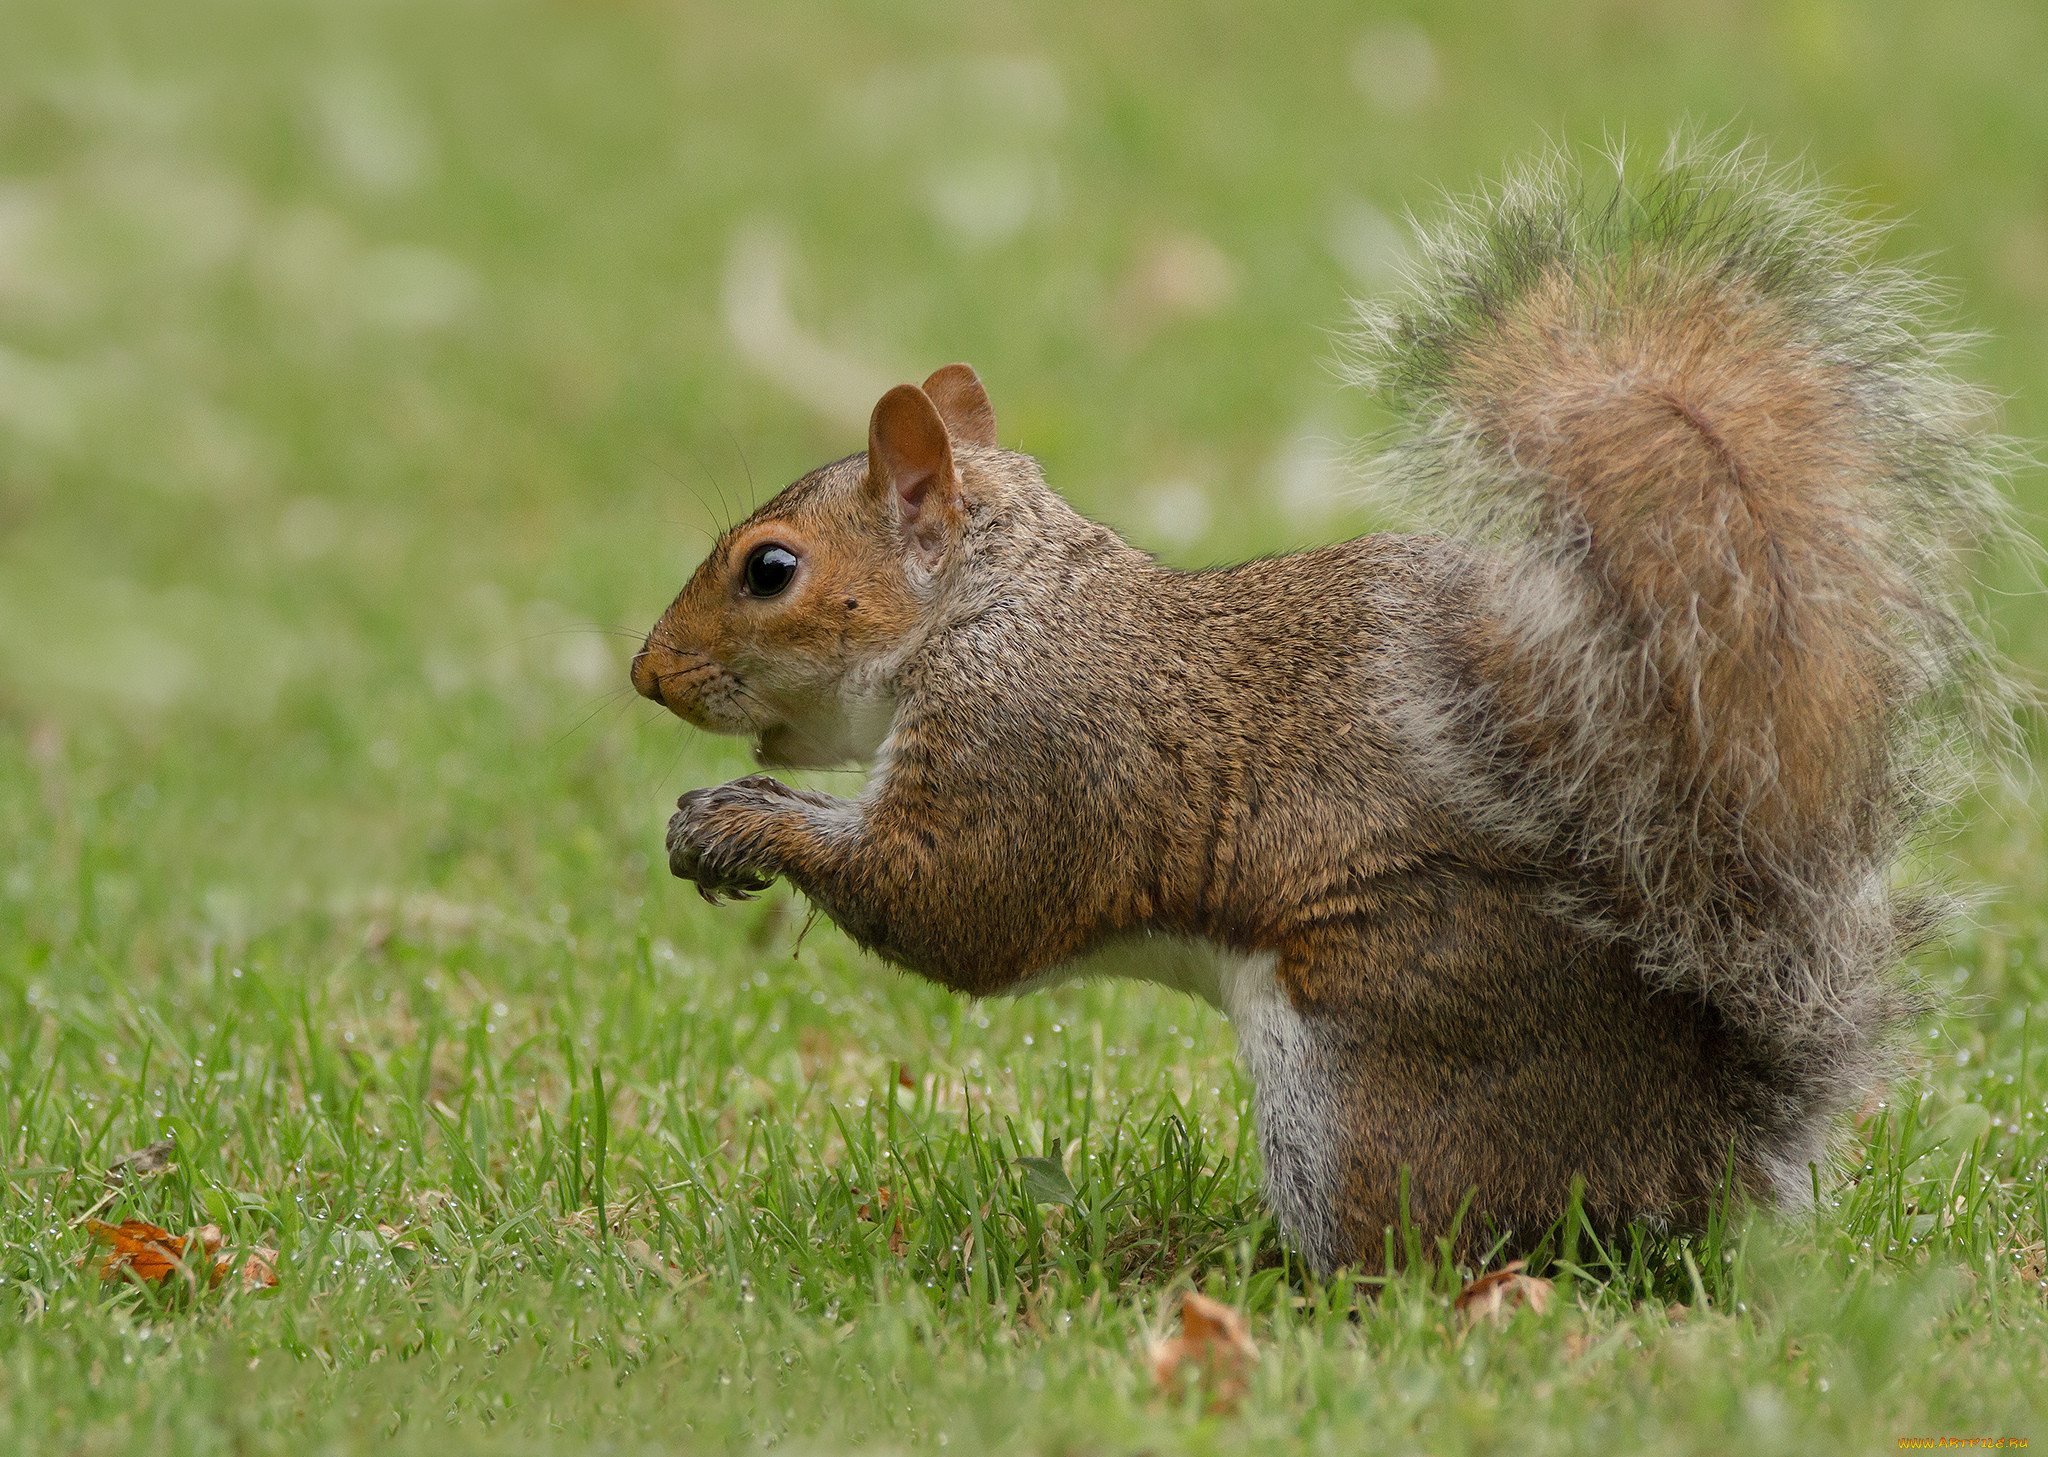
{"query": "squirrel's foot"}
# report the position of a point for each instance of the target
(716, 837)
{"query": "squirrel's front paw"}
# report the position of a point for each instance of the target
(715, 838)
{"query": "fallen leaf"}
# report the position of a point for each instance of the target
(1214, 1346)
(1046, 1182)
(1498, 1292)
(149, 1253)
(259, 1271)
(875, 1208)
(137, 1163)
(151, 1158)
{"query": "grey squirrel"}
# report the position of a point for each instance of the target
(1560, 842)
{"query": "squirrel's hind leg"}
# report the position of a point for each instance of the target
(1457, 1058)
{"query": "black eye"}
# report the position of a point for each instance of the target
(769, 569)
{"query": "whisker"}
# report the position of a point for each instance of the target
(661, 785)
(653, 639)
(695, 494)
(609, 700)
(601, 629)
(716, 484)
(740, 687)
(753, 491)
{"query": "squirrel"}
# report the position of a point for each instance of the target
(1555, 846)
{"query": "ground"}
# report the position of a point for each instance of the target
(369, 376)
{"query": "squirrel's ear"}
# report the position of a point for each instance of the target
(963, 404)
(910, 466)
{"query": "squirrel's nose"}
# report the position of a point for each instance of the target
(647, 682)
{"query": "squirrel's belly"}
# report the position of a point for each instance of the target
(1190, 964)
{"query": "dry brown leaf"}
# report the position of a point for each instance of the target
(875, 1208)
(149, 1253)
(1498, 1292)
(151, 1158)
(146, 1251)
(1214, 1345)
(259, 1271)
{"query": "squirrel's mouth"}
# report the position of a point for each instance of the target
(699, 690)
(820, 729)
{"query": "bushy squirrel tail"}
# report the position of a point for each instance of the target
(1718, 650)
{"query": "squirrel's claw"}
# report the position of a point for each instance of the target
(709, 843)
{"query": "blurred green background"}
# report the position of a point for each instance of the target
(371, 374)
(343, 346)
(346, 347)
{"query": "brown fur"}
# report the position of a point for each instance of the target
(1568, 857)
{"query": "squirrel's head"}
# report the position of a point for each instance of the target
(785, 631)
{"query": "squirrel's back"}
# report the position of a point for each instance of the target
(1721, 480)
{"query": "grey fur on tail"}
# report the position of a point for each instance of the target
(1728, 661)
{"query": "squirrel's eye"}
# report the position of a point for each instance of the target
(769, 569)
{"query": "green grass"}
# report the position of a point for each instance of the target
(359, 362)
